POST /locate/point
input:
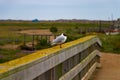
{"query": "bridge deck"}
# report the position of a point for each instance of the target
(110, 68)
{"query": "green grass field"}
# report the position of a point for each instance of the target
(110, 43)
(9, 30)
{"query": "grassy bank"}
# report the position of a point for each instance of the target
(6, 55)
(110, 43)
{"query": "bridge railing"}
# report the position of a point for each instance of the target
(76, 60)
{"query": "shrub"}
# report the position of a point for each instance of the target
(53, 29)
(116, 44)
(7, 55)
(111, 43)
(42, 44)
(72, 37)
(24, 47)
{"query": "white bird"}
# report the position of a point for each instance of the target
(59, 40)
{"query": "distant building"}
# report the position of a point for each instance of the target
(113, 31)
(35, 20)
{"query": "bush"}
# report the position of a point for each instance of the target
(42, 44)
(7, 55)
(72, 37)
(111, 43)
(68, 31)
(116, 44)
(53, 29)
(24, 47)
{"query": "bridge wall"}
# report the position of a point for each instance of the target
(74, 61)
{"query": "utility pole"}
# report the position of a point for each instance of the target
(100, 28)
(112, 20)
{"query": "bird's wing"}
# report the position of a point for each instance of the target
(58, 40)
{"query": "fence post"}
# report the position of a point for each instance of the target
(33, 42)
(24, 42)
(48, 39)
(37, 39)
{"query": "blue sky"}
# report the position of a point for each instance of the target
(59, 9)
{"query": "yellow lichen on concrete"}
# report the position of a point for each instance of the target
(39, 54)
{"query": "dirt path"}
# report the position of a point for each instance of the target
(110, 69)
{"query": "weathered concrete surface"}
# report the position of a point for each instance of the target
(34, 68)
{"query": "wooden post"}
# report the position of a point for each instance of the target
(41, 37)
(24, 42)
(33, 42)
(55, 36)
(48, 39)
(37, 39)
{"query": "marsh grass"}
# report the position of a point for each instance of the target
(6, 55)
(9, 31)
(110, 43)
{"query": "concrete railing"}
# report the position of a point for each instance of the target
(76, 60)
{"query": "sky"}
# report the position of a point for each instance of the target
(59, 9)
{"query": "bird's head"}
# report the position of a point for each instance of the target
(64, 34)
